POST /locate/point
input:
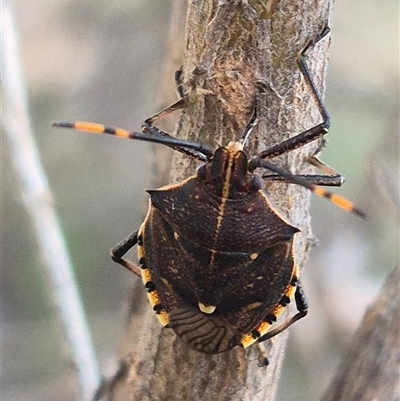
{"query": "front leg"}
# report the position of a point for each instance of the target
(314, 133)
(315, 179)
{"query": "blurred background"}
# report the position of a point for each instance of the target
(102, 61)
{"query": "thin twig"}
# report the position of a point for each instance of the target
(39, 204)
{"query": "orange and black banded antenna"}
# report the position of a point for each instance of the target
(150, 134)
(337, 200)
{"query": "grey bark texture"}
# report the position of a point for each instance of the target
(238, 54)
(370, 369)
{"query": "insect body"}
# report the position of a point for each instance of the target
(223, 256)
(215, 256)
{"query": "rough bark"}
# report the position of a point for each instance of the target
(370, 370)
(237, 53)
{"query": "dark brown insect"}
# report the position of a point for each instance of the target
(215, 256)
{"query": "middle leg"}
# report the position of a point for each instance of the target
(122, 248)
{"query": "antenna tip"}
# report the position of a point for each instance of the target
(62, 125)
(359, 213)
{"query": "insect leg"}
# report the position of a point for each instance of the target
(302, 307)
(173, 107)
(250, 126)
(311, 134)
(148, 126)
(263, 357)
(324, 180)
(178, 82)
(122, 248)
(165, 112)
(307, 77)
(319, 164)
(295, 142)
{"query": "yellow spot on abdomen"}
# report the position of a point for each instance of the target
(163, 318)
(140, 250)
(146, 276)
(208, 309)
(247, 340)
(154, 298)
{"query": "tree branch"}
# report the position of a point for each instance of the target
(370, 370)
(238, 53)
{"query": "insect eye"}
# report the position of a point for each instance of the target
(256, 183)
(202, 172)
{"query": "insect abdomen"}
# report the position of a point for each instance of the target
(205, 333)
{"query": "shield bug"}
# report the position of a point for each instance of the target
(215, 256)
